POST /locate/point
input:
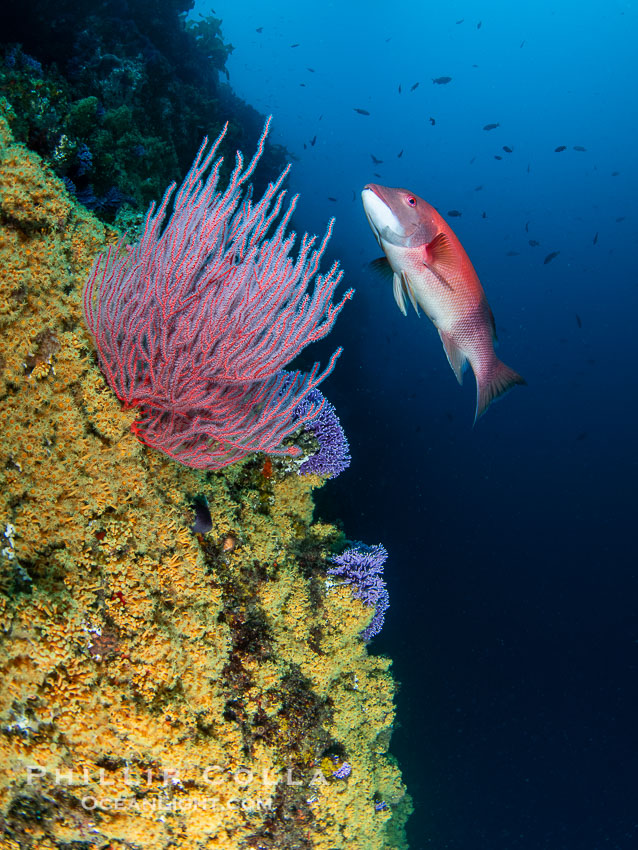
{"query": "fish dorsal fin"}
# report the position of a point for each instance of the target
(397, 289)
(455, 356)
(382, 266)
(409, 288)
(440, 258)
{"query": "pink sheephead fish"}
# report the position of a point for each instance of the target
(430, 268)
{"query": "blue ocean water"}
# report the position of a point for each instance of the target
(512, 570)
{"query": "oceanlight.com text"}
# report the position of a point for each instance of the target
(181, 805)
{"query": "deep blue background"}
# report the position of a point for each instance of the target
(512, 574)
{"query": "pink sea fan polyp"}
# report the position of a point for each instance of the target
(194, 323)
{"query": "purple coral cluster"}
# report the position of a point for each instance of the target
(342, 772)
(362, 567)
(333, 455)
(83, 160)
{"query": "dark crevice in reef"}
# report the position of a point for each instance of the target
(297, 729)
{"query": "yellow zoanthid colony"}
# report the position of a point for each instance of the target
(161, 688)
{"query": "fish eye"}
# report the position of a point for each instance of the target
(411, 200)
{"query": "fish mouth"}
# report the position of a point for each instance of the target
(367, 191)
(383, 222)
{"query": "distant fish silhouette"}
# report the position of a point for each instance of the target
(361, 111)
(479, 25)
(399, 88)
(375, 160)
(376, 174)
(400, 154)
(512, 253)
(596, 238)
(312, 141)
(484, 214)
(491, 126)
(615, 173)
(522, 43)
(550, 257)
(621, 218)
(296, 44)
(332, 199)
(461, 21)
(259, 29)
(496, 156)
(454, 213)
(582, 435)
(432, 121)
(560, 148)
(578, 321)
(534, 243)
(528, 168)
(441, 81)
(415, 86)
(478, 188)
(312, 70)
(579, 148)
(508, 149)
(527, 227)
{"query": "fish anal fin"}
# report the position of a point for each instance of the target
(409, 289)
(455, 356)
(492, 323)
(399, 297)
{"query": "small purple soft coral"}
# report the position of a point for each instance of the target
(333, 455)
(342, 772)
(362, 567)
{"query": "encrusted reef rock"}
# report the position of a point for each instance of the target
(161, 688)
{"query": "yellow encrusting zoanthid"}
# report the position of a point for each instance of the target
(137, 660)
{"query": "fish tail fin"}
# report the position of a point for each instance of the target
(492, 383)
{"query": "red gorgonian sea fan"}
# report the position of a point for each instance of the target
(194, 323)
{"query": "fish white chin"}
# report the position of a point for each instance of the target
(382, 220)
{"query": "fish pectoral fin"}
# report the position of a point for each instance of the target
(437, 274)
(397, 289)
(440, 259)
(409, 289)
(382, 266)
(455, 356)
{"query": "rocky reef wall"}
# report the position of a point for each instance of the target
(161, 688)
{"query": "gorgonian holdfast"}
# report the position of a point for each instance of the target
(362, 567)
(194, 323)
